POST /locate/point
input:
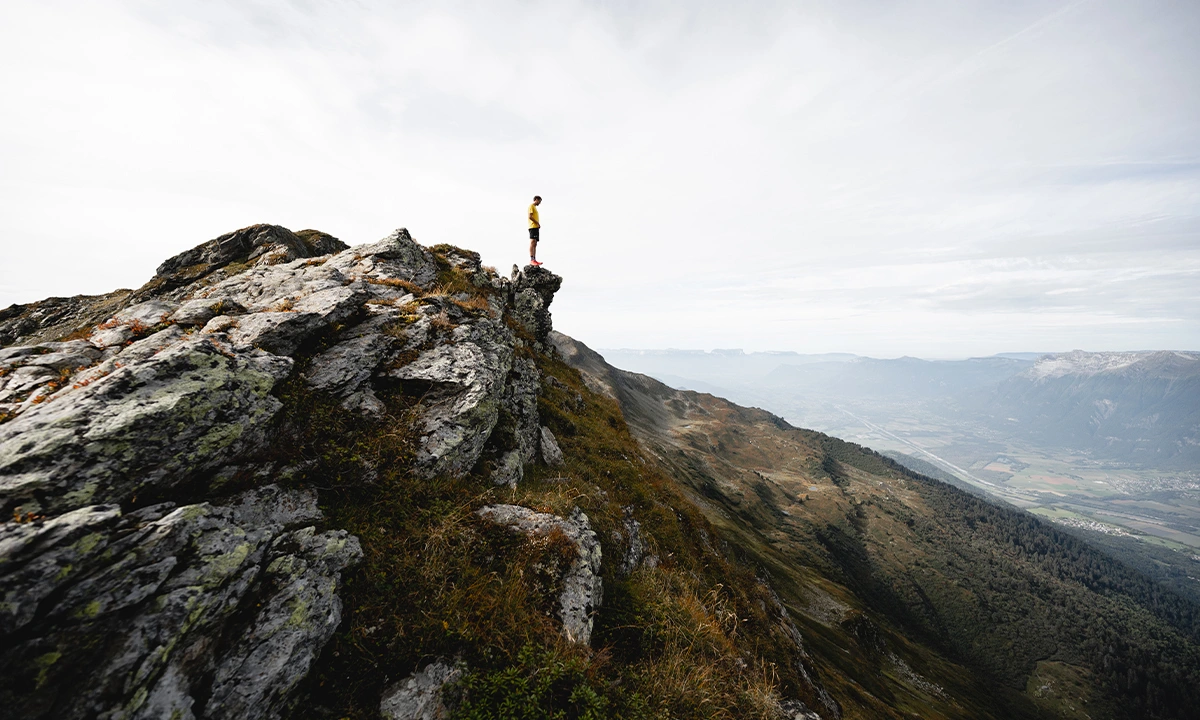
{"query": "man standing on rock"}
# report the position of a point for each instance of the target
(535, 227)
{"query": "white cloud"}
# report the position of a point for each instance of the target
(914, 178)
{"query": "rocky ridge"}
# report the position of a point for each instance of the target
(136, 571)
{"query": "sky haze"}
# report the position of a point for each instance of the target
(938, 179)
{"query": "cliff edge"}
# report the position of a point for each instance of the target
(289, 477)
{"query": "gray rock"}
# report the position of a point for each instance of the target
(158, 589)
(552, 455)
(10, 354)
(37, 558)
(533, 291)
(180, 411)
(256, 677)
(197, 312)
(509, 469)
(583, 590)
(271, 243)
(271, 505)
(282, 332)
(110, 337)
(796, 710)
(24, 379)
(149, 346)
(320, 243)
(397, 257)
(66, 359)
(219, 324)
(635, 545)
(467, 260)
(366, 402)
(515, 439)
(344, 368)
(55, 317)
(462, 385)
(523, 386)
(419, 696)
(147, 314)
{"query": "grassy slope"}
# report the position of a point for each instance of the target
(991, 588)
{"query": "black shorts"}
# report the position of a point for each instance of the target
(533, 233)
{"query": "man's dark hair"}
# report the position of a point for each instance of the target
(537, 197)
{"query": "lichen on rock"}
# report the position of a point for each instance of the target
(153, 592)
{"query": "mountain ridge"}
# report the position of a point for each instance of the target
(718, 482)
(290, 478)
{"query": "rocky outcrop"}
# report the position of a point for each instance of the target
(57, 317)
(419, 696)
(162, 409)
(582, 588)
(209, 262)
(133, 585)
(195, 611)
(271, 243)
(462, 385)
(533, 290)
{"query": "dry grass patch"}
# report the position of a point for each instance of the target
(442, 321)
(476, 304)
(400, 284)
(284, 305)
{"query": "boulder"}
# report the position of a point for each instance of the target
(635, 545)
(552, 455)
(348, 365)
(396, 257)
(509, 470)
(419, 696)
(272, 243)
(582, 589)
(796, 710)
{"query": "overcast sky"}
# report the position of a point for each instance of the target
(936, 179)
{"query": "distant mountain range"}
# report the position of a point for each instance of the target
(1141, 408)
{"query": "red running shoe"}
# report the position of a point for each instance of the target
(535, 263)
